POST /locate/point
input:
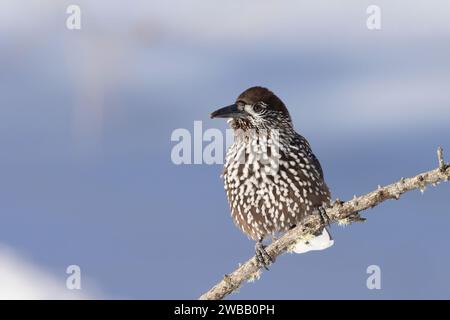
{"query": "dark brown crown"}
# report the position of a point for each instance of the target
(260, 94)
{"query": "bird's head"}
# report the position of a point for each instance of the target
(256, 108)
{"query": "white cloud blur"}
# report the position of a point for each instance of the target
(389, 102)
(22, 279)
(257, 19)
(101, 55)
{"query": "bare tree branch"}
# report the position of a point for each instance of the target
(340, 212)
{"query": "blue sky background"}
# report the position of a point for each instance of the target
(86, 118)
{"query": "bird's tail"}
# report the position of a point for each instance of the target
(320, 242)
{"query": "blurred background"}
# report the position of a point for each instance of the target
(86, 117)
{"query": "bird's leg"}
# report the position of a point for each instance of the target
(325, 219)
(262, 257)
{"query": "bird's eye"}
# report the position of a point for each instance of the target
(257, 108)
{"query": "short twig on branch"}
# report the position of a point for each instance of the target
(340, 212)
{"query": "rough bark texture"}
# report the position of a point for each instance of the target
(340, 212)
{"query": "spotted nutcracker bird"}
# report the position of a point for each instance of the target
(272, 179)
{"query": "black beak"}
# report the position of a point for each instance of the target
(228, 112)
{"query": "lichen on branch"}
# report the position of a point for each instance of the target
(340, 212)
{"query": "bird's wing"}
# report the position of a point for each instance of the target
(302, 141)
